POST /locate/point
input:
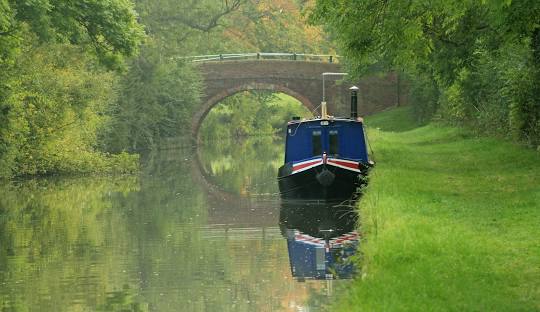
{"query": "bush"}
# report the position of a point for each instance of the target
(51, 113)
(424, 96)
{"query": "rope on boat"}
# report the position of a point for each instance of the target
(295, 130)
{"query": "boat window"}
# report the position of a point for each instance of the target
(333, 142)
(316, 143)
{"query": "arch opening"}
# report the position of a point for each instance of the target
(200, 116)
(248, 113)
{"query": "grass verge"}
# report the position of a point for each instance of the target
(451, 223)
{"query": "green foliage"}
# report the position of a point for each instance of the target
(53, 94)
(53, 112)
(110, 27)
(442, 236)
(251, 113)
(186, 27)
(243, 167)
(424, 96)
(156, 97)
(270, 26)
(462, 57)
(195, 27)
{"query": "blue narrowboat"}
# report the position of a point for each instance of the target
(326, 157)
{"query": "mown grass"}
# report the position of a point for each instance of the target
(451, 222)
(397, 119)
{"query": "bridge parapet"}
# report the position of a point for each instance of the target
(264, 56)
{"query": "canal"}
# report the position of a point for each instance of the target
(189, 233)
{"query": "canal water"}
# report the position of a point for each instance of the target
(189, 233)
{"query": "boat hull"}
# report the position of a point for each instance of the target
(308, 184)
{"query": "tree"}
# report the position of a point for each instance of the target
(53, 96)
(455, 50)
(155, 100)
(187, 26)
(110, 27)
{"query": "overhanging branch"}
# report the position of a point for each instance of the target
(228, 6)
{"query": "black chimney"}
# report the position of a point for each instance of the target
(354, 102)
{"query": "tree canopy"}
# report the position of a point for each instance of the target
(55, 87)
(463, 57)
(110, 27)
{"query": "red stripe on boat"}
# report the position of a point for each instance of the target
(344, 164)
(298, 167)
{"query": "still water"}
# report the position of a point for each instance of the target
(189, 233)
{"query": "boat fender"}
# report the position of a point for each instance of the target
(326, 177)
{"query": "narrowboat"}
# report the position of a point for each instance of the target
(326, 157)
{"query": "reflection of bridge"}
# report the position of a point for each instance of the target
(230, 210)
(295, 76)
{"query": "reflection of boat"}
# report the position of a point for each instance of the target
(325, 157)
(315, 258)
(320, 239)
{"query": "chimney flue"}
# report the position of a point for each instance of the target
(354, 102)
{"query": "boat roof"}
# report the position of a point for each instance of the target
(318, 118)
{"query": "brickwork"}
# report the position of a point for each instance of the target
(299, 79)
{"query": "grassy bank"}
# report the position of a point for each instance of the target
(451, 222)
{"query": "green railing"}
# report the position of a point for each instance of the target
(263, 56)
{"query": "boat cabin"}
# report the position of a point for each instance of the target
(337, 138)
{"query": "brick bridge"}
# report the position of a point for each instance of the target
(299, 79)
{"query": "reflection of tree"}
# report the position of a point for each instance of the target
(52, 235)
(132, 244)
(184, 264)
(246, 166)
(121, 301)
(321, 299)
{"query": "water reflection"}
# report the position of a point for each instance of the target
(321, 238)
(166, 240)
(243, 167)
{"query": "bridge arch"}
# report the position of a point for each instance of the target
(300, 79)
(217, 98)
